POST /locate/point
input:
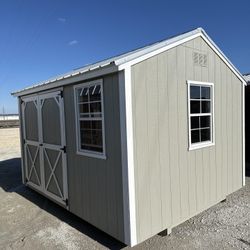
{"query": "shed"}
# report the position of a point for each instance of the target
(138, 143)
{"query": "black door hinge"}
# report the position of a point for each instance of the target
(64, 149)
(61, 94)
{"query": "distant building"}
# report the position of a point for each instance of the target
(9, 117)
(247, 78)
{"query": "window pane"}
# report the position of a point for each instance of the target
(95, 93)
(85, 124)
(95, 107)
(84, 108)
(195, 92)
(83, 94)
(86, 136)
(96, 125)
(97, 137)
(206, 106)
(205, 121)
(195, 122)
(195, 107)
(205, 92)
(205, 134)
(195, 136)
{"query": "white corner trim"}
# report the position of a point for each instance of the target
(126, 123)
(243, 136)
(21, 137)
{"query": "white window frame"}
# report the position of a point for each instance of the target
(198, 145)
(79, 151)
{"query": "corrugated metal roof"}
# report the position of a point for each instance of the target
(121, 59)
(247, 78)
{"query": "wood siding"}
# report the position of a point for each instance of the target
(95, 185)
(172, 183)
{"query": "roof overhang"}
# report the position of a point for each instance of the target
(127, 60)
(68, 79)
(171, 43)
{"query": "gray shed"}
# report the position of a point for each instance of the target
(138, 143)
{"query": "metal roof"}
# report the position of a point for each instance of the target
(121, 59)
(247, 78)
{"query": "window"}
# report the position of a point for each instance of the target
(200, 98)
(90, 119)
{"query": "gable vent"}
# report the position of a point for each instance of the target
(200, 59)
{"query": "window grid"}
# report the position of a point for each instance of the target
(202, 132)
(90, 124)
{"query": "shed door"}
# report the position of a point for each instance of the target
(49, 145)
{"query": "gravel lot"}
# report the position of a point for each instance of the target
(9, 143)
(30, 221)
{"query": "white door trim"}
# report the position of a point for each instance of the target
(39, 100)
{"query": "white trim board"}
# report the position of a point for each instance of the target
(126, 125)
(243, 138)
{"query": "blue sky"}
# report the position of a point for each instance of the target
(43, 38)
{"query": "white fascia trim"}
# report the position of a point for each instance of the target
(222, 57)
(126, 120)
(243, 137)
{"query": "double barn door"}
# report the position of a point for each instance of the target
(45, 145)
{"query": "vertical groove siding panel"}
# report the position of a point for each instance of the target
(224, 127)
(240, 118)
(144, 221)
(163, 94)
(95, 185)
(213, 172)
(230, 132)
(182, 128)
(207, 168)
(218, 127)
(190, 181)
(153, 143)
(173, 139)
(198, 152)
(189, 69)
(136, 170)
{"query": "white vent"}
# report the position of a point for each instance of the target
(200, 59)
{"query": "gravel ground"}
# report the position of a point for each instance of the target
(30, 221)
(9, 143)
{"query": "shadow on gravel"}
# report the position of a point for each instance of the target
(245, 242)
(11, 181)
